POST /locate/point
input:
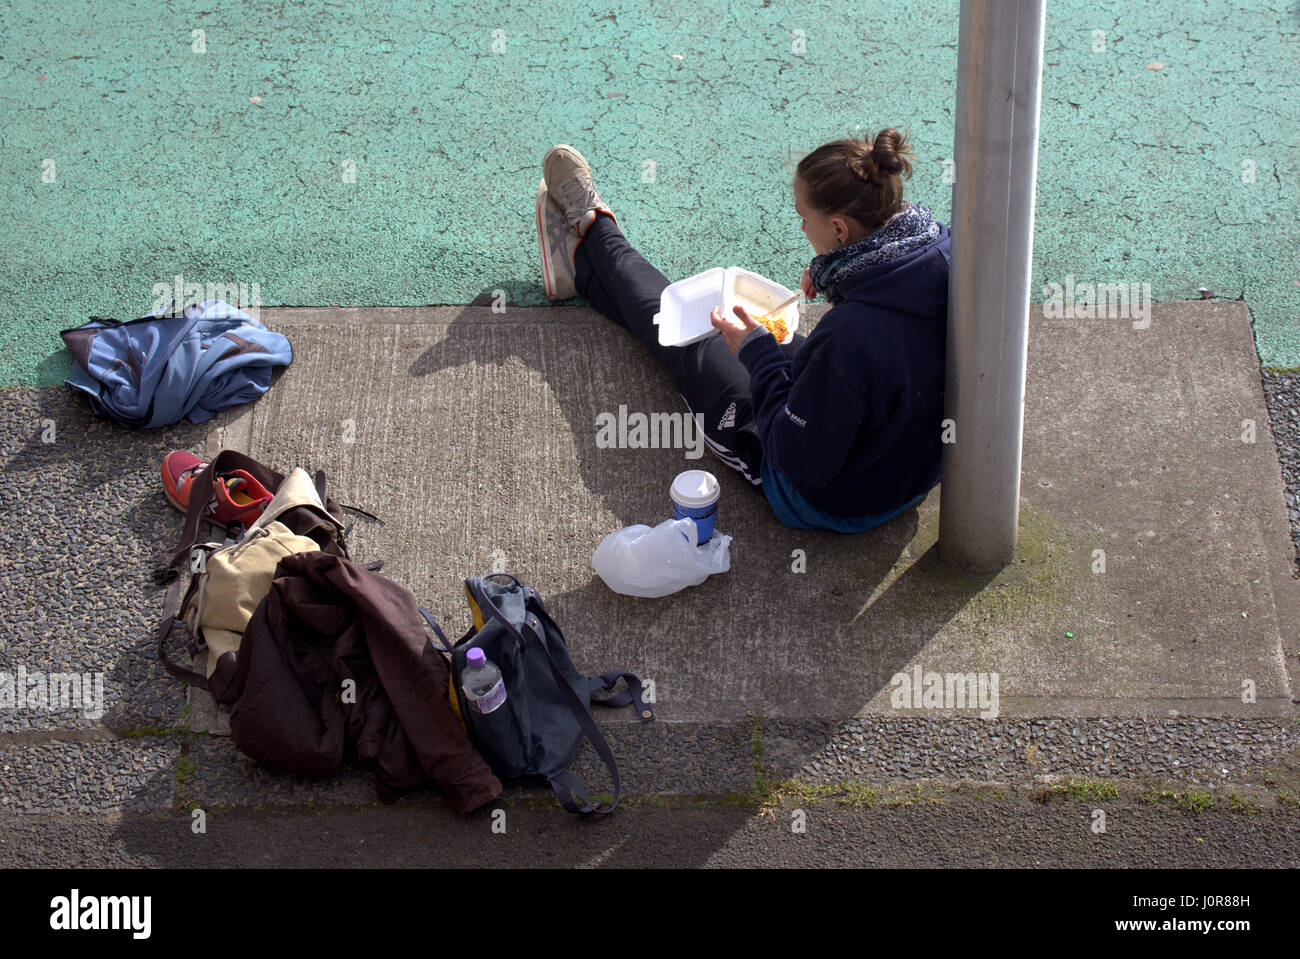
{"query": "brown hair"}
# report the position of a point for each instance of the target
(863, 180)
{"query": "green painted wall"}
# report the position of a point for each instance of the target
(163, 166)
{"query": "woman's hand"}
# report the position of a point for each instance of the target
(806, 284)
(733, 330)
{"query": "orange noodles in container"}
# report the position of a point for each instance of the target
(775, 325)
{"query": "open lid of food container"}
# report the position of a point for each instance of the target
(684, 306)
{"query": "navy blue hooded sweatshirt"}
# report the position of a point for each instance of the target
(854, 419)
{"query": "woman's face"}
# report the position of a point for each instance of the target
(825, 233)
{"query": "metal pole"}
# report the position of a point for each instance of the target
(999, 86)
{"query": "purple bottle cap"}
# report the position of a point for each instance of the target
(475, 658)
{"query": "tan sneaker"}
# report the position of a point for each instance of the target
(558, 243)
(567, 176)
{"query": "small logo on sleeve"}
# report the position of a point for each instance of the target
(799, 420)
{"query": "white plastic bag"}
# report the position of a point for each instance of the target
(641, 561)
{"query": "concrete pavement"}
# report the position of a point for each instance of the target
(469, 432)
(1154, 575)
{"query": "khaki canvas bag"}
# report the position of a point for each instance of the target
(233, 581)
(229, 581)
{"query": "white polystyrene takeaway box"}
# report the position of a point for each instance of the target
(684, 306)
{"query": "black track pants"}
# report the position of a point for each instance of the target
(620, 283)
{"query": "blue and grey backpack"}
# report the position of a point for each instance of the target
(534, 736)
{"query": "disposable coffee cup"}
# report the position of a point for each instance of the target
(695, 495)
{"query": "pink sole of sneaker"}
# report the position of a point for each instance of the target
(549, 284)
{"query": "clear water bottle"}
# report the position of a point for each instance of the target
(484, 688)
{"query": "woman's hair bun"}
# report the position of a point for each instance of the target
(891, 153)
(858, 177)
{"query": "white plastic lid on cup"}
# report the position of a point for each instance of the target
(694, 488)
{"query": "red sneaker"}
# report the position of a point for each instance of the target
(178, 471)
(239, 498)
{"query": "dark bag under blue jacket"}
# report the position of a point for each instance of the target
(534, 736)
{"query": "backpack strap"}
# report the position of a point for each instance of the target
(172, 606)
(319, 480)
(442, 637)
(568, 790)
(566, 786)
(634, 693)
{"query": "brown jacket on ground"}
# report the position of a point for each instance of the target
(327, 620)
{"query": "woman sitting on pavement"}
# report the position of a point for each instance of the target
(840, 428)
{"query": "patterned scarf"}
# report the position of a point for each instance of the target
(909, 230)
